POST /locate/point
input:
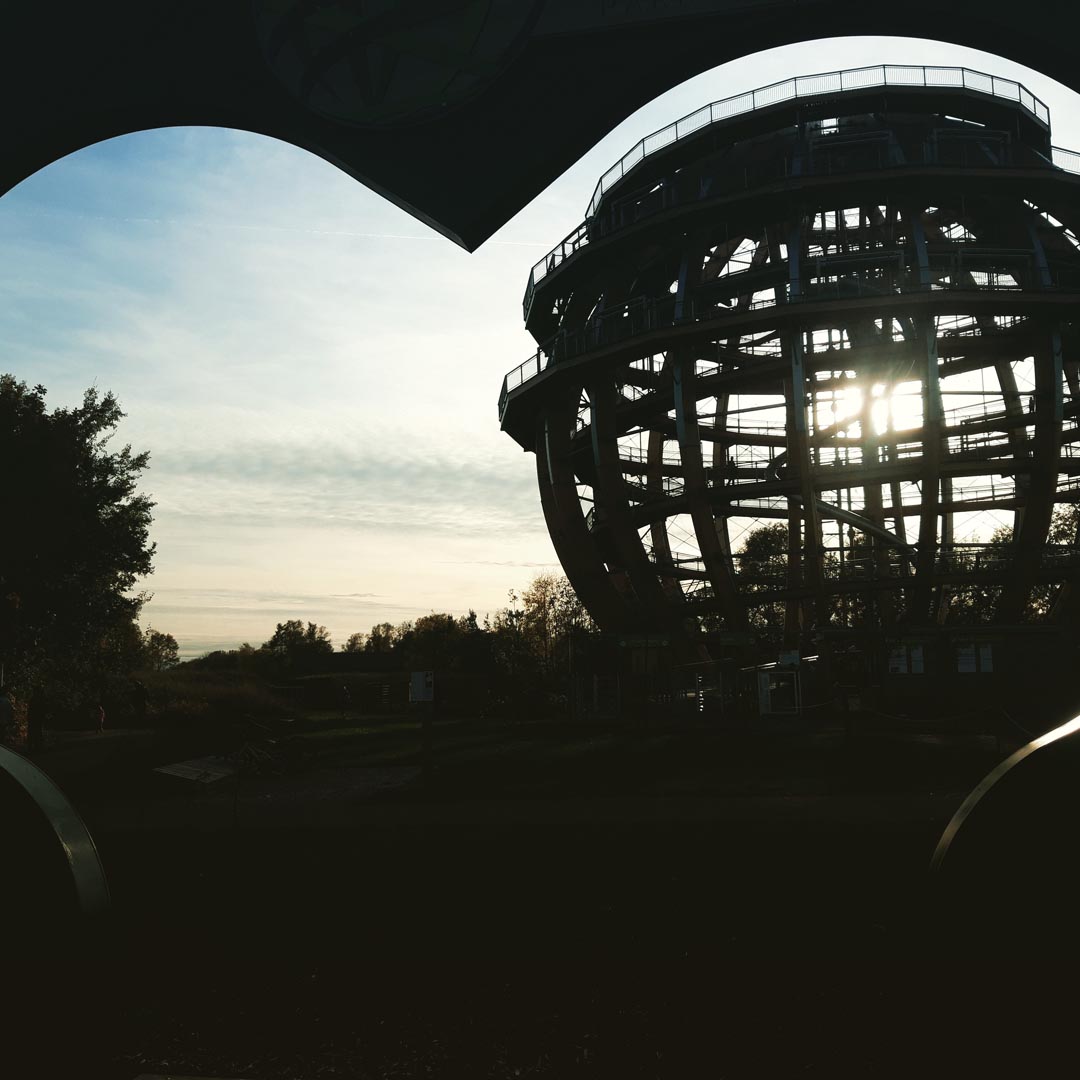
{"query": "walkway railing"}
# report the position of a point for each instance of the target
(831, 82)
(621, 216)
(804, 86)
(962, 271)
(1066, 159)
(979, 561)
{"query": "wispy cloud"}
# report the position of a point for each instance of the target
(249, 599)
(413, 486)
(494, 562)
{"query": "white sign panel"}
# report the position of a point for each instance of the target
(422, 686)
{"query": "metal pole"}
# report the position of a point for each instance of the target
(426, 717)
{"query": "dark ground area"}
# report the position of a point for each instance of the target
(556, 902)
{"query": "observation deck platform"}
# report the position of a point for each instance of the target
(981, 99)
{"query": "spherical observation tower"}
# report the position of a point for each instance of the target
(811, 362)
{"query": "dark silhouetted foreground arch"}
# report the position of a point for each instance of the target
(458, 112)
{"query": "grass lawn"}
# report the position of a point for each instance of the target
(502, 760)
(764, 938)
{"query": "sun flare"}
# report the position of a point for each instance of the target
(892, 408)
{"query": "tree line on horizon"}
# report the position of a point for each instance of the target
(531, 631)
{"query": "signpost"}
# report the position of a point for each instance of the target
(422, 693)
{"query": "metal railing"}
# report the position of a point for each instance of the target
(624, 214)
(975, 560)
(523, 373)
(963, 271)
(803, 86)
(813, 86)
(1069, 160)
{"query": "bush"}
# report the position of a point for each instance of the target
(186, 696)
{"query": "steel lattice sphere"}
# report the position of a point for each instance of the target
(812, 361)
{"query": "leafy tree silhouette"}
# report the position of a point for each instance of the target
(74, 540)
(298, 647)
(160, 650)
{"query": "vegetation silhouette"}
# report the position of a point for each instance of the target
(71, 647)
(764, 558)
(75, 543)
(517, 660)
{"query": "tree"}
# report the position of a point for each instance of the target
(1064, 528)
(298, 646)
(381, 639)
(354, 644)
(972, 604)
(160, 651)
(551, 610)
(763, 562)
(434, 640)
(75, 539)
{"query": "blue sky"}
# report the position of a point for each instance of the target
(315, 373)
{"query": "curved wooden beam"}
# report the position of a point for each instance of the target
(575, 546)
(1030, 538)
(613, 517)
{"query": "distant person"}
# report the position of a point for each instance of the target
(97, 713)
(346, 701)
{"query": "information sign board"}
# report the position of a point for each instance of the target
(422, 686)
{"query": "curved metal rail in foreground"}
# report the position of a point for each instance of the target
(1070, 727)
(72, 835)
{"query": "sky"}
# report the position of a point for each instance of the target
(314, 372)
